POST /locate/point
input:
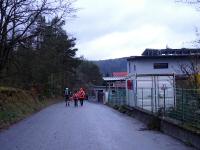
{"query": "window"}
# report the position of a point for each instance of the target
(160, 65)
(129, 67)
(134, 67)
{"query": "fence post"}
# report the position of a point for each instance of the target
(164, 102)
(142, 98)
(152, 100)
(155, 96)
(174, 86)
(182, 104)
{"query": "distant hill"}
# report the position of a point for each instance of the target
(107, 67)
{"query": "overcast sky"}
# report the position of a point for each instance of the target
(119, 28)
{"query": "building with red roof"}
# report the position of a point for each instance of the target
(120, 74)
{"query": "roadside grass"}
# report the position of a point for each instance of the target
(16, 104)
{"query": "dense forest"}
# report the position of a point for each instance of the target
(48, 62)
(107, 67)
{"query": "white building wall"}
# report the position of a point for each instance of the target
(146, 66)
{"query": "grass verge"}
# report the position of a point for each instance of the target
(16, 104)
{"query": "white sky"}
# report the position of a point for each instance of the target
(119, 28)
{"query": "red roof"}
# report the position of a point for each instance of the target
(120, 74)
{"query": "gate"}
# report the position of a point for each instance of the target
(117, 96)
(152, 92)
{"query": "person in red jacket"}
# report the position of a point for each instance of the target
(75, 98)
(81, 95)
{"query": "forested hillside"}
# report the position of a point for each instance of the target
(48, 62)
(38, 57)
(107, 67)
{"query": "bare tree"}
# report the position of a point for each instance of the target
(191, 70)
(195, 3)
(18, 20)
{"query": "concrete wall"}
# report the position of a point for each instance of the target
(167, 126)
(173, 129)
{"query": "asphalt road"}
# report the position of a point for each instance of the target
(91, 127)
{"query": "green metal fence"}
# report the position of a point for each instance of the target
(187, 107)
(183, 105)
(117, 97)
(155, 99)
(179, 104)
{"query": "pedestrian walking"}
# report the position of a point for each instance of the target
(75, 98)
(66, 95)
(81, 95)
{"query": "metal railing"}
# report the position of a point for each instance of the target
(154, 99)
(180, 104)
(187, 108)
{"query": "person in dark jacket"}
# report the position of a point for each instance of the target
(66, 95)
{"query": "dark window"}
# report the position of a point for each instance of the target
(113, 91)
(160, 65)
(111, 84)
(134, 67)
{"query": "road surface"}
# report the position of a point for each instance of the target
(91, 127)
